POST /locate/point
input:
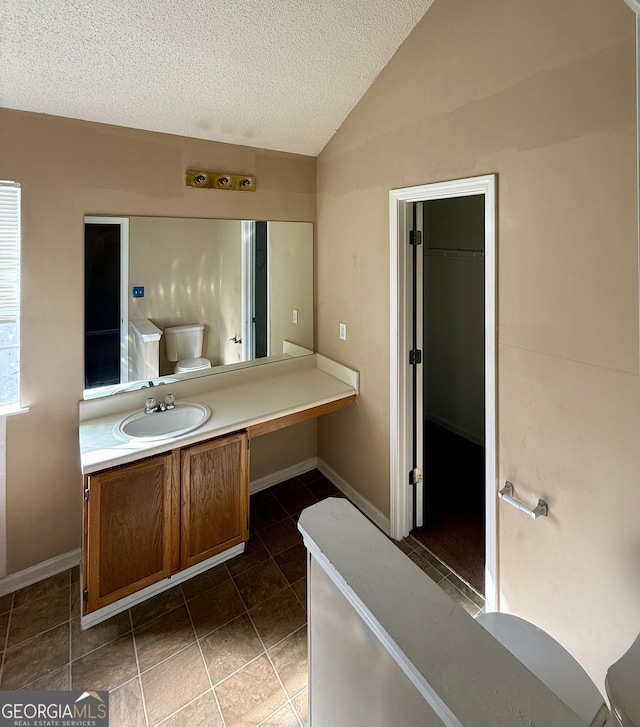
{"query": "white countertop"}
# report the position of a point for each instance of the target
(267, 394)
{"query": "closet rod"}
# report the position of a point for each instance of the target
(451, 252)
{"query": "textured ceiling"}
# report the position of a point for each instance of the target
(277, 74)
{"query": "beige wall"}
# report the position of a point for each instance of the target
(543, 95)
(191, 271)
(290, 285)
(69, 169)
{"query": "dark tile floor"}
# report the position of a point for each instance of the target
(224, 649)
(450, 582)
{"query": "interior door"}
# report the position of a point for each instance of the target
(416, 359)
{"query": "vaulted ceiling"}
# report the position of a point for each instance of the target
(277, 74)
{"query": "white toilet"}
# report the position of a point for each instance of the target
(554, 666)
(184, 346)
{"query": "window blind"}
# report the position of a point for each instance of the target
(9, 293)
(9, 252)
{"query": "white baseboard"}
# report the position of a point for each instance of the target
(371, 511)
(282, 475)
(60, 563)
(39, 572)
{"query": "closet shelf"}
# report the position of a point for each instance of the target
(459, 252)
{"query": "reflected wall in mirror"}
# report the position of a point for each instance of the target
(247, 283)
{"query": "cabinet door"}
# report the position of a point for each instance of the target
(215, 497)
(130, 528)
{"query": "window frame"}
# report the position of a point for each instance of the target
(11, 251)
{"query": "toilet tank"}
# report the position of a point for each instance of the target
(183, 341)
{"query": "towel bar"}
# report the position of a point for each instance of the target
(506, 494)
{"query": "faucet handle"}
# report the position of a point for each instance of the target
(150, 405)
(170, 401)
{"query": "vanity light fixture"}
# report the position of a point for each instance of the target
(220, 180)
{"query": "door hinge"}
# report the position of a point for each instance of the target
(415, 476)
(86, 493)
(85, 594)
(415, 237)
(415, 357)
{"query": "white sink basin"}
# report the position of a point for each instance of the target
(185, 417)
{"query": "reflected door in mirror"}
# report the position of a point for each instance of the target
(102, 305)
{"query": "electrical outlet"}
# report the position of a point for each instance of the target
(295, 315)
(343, 331)
(138, 291)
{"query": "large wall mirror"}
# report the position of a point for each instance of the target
(244, 289)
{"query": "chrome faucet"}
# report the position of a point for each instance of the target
(151, 405)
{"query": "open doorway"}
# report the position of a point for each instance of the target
(106, 324)
(450, 421)
(443, 398)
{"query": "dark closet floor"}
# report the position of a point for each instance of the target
(454, 503)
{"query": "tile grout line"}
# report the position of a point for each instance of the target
(6, 638)
(265, 650)
(188, 704)
(450, 570)
(304, 605)
(70, 653)
(97, 648)
(273, 555)
(239, 669)
(282, 573)
(277, 673)
(265, 599)
(290, 585)
(204, 661)
(71, 620)
(41, 633)
(139, 674)
(70, 633)
(452, 583)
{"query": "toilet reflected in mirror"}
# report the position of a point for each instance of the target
(184, 346)
(248, 283)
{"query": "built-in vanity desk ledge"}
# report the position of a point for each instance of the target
(159, 512)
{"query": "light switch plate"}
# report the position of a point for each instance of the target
(295, 315)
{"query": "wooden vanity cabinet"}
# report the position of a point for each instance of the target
(215, 497)
(129, 528)
(150, 519)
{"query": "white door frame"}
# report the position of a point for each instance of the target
(401, 519)
(248, 288)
